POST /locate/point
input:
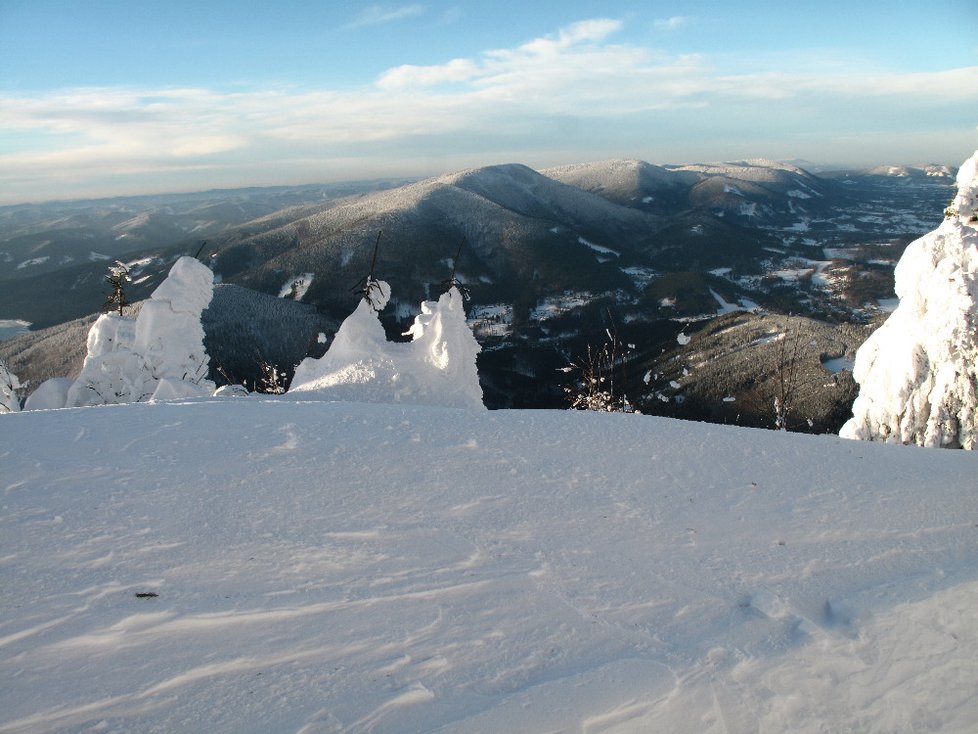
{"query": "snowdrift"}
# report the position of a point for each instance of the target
(249, 565)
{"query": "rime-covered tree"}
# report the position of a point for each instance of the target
(438, 367)
(159, 355)
(9, 384)
(918, 373)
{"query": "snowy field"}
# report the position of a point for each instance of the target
(331, 567)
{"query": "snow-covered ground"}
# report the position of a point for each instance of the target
(33, 261)
(296, 288)
(558, 305)
(605, 253)
(724, 307)
(334, 567)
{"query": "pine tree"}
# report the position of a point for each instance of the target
(117, 277)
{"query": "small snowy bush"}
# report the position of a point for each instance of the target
(593, 385)
(50, 394)
(272, 380)
(599, 378)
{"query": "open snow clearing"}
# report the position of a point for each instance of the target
(249, 565)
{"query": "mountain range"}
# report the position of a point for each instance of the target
(551, 259)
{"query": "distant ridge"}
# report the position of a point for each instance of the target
(550, 258)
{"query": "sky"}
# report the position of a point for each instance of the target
(113, 97)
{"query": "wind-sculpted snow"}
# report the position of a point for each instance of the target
(158, 355)
(438, 367)
(918, 373)
(244, 565)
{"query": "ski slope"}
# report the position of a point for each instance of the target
(335, 567)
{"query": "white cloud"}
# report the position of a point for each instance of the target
(670, 24)
(379, 14)
(950, 85)
(401, 77)
(593, 31)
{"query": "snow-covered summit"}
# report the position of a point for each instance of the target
(630, 182)
(618, 173)
(300, 566)
(918, 373)
(481, 203)
(929, 170)
(756, 170)
(521, 189)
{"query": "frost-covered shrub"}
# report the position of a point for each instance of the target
(917, 372)
(273, 380)
(438, 367)
(598, 379)
(592, 387)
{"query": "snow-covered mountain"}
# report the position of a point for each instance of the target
(247, 565)
(761, 192)
(929, 170)
(522, 231)
(550, 261)
(355, 555)
(528, 236)
(631, 183)
(42, 238)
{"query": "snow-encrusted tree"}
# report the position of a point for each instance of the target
(917, 372)
(9, 385)
(169, 333)
(112, 372)
(444, 351)
(356, 366)
(160, 355)
(438, 367)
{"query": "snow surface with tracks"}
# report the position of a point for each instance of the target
(339, 567)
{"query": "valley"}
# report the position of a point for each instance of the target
(657, 259)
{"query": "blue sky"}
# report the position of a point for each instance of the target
(106, 98)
